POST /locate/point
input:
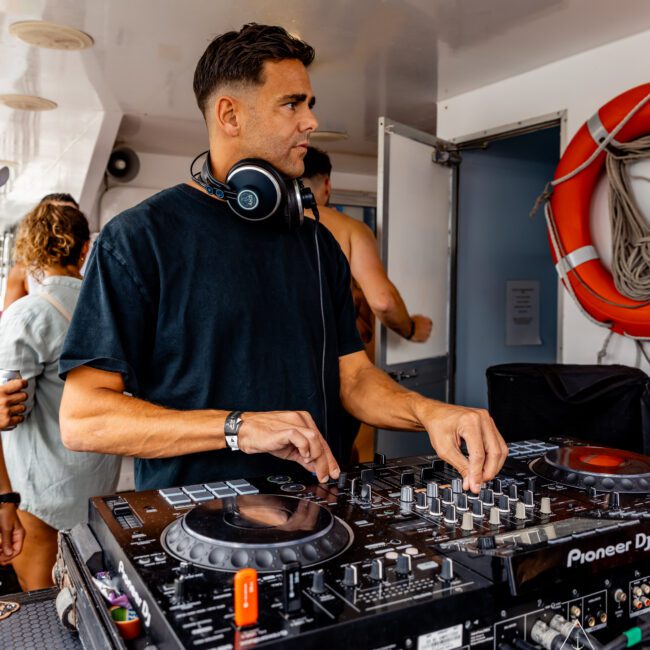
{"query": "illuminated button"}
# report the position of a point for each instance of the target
(411, 550)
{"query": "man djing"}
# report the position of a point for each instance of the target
(194, 322)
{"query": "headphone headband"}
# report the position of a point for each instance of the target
(257, 191)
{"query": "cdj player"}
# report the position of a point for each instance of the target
(554, 552)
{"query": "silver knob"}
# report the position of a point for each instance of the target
(377, 569)
(406, 494)
(318, 582)
(403, 566)
(351, 576)
(457, 485)
(432, 490)
(447, 569)
(366, 493)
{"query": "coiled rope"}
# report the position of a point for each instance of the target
(630, 230)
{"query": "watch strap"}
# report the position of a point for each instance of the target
(231, 429)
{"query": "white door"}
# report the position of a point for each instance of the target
(416, 232)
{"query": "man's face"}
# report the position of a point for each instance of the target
(277, 119)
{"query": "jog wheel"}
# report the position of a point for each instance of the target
(261, 531)
(595, 467)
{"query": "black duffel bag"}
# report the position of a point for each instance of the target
(606, 405)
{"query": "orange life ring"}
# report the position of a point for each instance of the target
(570, 204)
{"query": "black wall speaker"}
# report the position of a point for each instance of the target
(123, 164)
(4, 175)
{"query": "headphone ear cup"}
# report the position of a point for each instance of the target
(295, 213)
(259, 190)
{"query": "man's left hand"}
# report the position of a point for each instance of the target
(449, 425)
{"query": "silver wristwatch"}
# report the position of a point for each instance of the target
(231, 429)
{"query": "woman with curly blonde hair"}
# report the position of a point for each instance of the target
(54, 483)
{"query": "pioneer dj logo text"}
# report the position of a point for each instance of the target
(577, 556)
(140, 602)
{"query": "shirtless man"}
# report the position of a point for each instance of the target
(360, 248)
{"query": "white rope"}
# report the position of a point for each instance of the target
(605, 143)
(603, 351)
(601, 146)
(630, 230)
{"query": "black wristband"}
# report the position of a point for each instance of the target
(410, 336)
(10, 497)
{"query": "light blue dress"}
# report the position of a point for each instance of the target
(55, 483)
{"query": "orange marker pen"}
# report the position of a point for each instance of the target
(245, 585)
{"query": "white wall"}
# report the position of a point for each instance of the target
(580, 85)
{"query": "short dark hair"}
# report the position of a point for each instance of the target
(59, 197)
(238, 57)
(317, 163)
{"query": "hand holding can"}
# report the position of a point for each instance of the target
(11, 398)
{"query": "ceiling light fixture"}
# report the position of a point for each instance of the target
(52, 36)
(27, 102)
(328, 136)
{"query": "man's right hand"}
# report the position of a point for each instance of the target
(290, 435)
(422, 330)
(12, 533)
(11, 403)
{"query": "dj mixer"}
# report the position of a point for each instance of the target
(554, 552)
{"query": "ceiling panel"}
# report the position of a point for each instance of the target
(374, 57)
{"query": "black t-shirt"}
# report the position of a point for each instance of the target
(200, 309)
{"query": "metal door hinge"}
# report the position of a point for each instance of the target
(445, 155)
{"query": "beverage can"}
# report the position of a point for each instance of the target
(9, 375)
(5, 376)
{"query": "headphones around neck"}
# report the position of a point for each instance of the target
(257, 191)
